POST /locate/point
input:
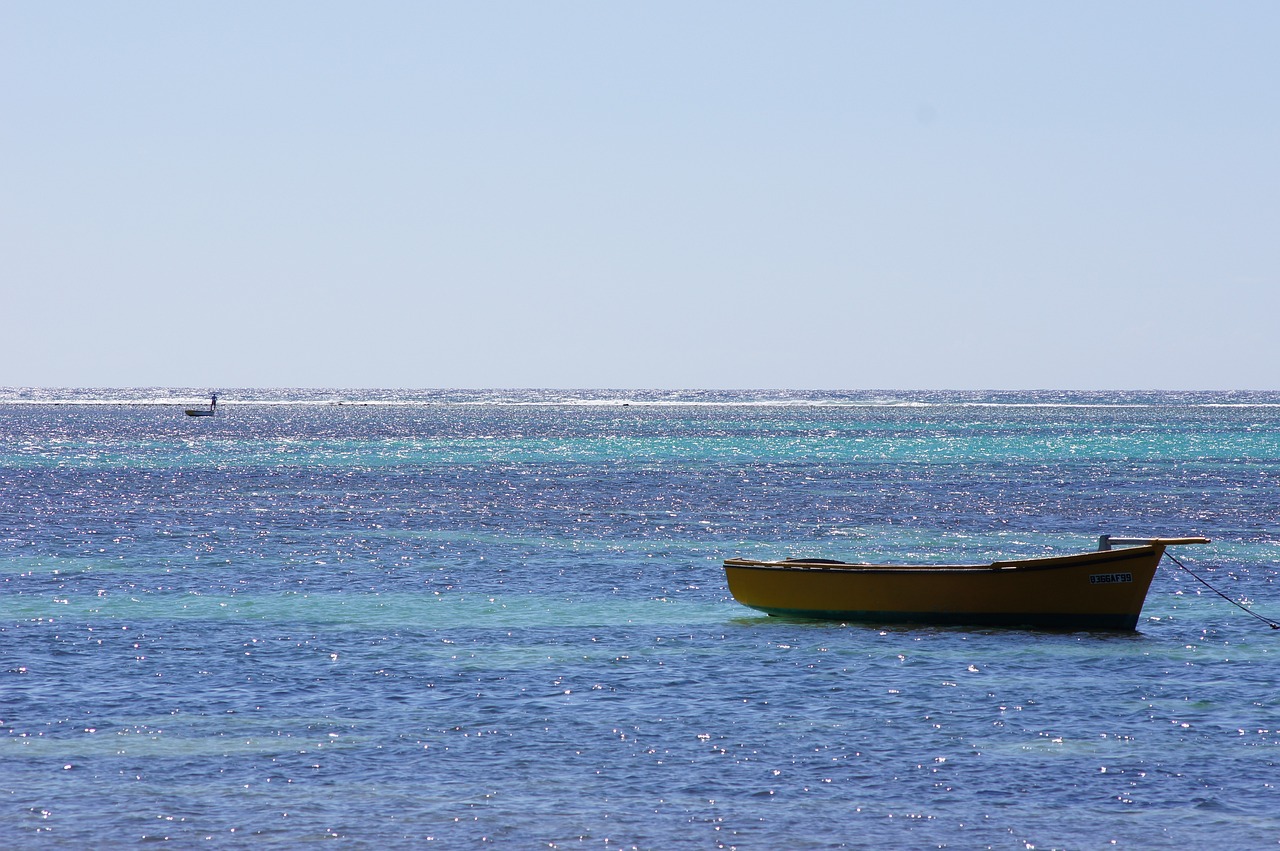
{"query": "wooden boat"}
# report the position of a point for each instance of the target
(1093, 590)
(201, 412)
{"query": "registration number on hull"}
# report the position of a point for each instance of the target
(1109, 578)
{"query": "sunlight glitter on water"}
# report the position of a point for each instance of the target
(511, 623)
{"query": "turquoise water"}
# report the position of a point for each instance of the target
(400, 618)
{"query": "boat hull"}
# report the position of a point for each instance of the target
(198, 413)
(1098, 590)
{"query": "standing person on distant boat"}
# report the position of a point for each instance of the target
(213, 403)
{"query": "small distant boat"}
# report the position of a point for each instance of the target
(1093, 590)
(205, 412)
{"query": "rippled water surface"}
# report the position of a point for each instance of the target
(399, 618)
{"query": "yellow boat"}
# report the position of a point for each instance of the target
(1093, 590)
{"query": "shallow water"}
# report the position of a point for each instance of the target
(502, 616)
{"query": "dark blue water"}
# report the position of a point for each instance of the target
(399, 618)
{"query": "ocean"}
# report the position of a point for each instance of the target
(462, 618)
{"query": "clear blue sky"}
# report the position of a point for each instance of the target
(622, 194)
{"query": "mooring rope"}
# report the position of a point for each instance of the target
(1268, 621)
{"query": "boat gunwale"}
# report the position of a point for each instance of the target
(1017, 565)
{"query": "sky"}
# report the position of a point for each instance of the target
(574, 194)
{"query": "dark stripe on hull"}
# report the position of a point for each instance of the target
(1053, 620)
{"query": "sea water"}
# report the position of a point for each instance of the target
(406, 618)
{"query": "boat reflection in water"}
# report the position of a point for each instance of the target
(1093, 590)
